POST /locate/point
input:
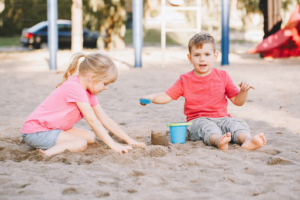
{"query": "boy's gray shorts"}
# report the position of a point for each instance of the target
(203, 127)
(42, 140)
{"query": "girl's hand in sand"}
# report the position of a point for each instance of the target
(136, 143)
(245, 86)
(120, 148)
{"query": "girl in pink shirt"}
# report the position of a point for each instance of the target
(50, 126)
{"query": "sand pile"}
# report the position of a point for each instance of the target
(178, 171)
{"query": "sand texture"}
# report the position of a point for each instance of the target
(178, 171)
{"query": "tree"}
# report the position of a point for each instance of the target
(77, 31)
(109, 16)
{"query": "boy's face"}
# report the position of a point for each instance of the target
(203, 59)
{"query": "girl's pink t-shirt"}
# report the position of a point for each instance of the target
(59, 109)
(205, 96)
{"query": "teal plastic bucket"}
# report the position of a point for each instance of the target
(178, 131)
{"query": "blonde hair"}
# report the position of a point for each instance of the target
(100, 64)
(202, 38)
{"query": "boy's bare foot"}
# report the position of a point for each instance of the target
(255, 142)
(223, 141)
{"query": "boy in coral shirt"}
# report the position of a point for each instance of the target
(205, 89)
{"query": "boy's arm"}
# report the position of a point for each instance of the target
(158, 98)
(241, 97)
(110, 125)
(96, 125)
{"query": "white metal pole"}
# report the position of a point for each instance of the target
(198, 16)
(163, 31)
(52, 33)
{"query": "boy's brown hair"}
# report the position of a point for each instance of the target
(201, 38)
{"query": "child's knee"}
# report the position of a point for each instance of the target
(91, 138)
(82, 145)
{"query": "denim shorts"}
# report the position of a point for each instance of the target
(203, 127)
(42, 140)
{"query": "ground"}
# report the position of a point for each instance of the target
(180, 171)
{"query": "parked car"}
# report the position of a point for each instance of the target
(37, 35)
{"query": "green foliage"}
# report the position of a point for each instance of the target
(109, 17)
(250, 6)
(151, 37)
(286, 3)
(96, 12)
(9, 41)
(19, 14)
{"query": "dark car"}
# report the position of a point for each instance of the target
(37, 35)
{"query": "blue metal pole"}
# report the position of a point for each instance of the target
(225, 32)
(137, 10)
(52, 33)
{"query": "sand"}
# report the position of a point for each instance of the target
(180, 171)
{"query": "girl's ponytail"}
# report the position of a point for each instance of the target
(72, 67)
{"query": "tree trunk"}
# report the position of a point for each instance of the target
(77, 32)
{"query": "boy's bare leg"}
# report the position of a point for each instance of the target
(220, 141)
(251, 143)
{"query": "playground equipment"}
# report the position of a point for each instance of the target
(163, 24)
(137, 11)
(138, 30)
(225, 27)
(285, 42)
(52, 33)
(225, 32)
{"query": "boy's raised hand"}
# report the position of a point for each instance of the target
(245, 86)
(151, 97)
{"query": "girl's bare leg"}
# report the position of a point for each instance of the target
(252, 143)
(66, 141)
(89, 136)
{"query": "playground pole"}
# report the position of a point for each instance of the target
(225, 32)
(137, 10)
(52, 33)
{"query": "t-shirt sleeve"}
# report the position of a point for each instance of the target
(77, 94)
(94, 100)
(230, 89)
(176, 90)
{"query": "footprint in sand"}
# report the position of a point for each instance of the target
(272, 152)
(69, 191)
(99, 194)
(132, 191)
(86, 161)
(64, 160)
(279, 161)
(23, 186)
(137, 173)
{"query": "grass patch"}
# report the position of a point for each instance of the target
(151, 37)
(10, 41)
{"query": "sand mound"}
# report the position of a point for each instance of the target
(177, 171)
